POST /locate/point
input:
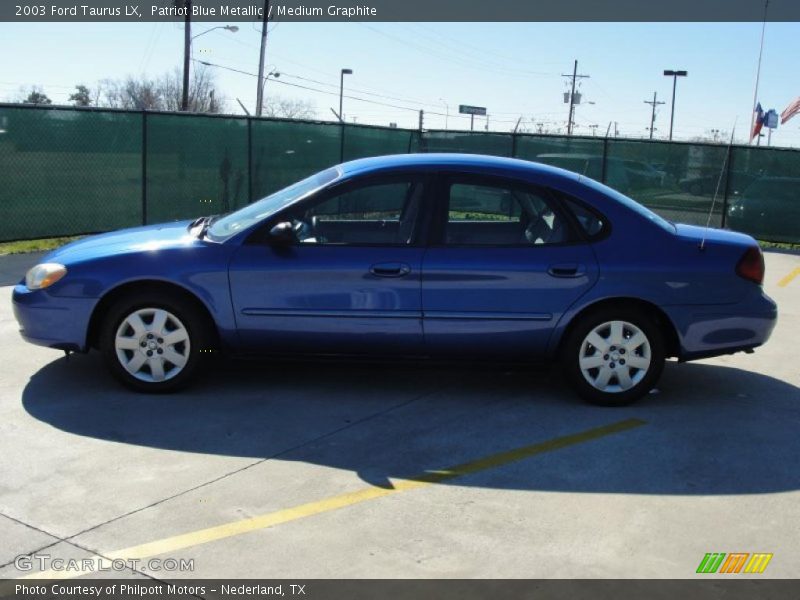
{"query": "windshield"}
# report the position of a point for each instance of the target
(235, 222)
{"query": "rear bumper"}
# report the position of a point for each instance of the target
(51, 321)
(705, 331)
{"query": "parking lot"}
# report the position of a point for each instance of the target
(341, 470)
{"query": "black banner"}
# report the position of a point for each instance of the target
(405, 10)
(713, 586)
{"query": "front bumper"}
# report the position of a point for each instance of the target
(705, 331)
(52, 321)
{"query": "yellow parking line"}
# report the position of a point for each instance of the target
(226, 530)
(786, 280)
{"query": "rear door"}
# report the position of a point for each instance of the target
(505, 262)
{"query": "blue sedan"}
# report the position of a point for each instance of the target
(427, 255)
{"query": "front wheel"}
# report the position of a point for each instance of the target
(614, 357)
(153, 345)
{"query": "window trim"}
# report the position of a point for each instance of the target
(260, 236)
(440, 215)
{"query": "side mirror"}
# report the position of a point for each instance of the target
(282, 234)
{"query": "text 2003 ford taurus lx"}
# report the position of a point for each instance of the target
(412, 255)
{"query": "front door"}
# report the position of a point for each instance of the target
(350, 284)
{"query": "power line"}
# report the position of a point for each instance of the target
(305, 87)
(331, 93)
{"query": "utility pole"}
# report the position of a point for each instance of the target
(187, 43)
(421, 118)
(653, 103)
(594, 129)
(574, 76)
(261, 59)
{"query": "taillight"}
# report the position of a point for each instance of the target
(751, 265)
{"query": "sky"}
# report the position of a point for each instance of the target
(513, 69)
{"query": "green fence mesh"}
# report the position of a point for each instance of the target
(67, 171)
(195, 166)
(496, 144)
(677, 180)
(765, 196)
(361, 142)
(286, 151)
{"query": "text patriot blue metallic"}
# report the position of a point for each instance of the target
(481, 257)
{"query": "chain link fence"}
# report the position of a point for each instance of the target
(67, 171)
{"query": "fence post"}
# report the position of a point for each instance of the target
(144, 167)
(249, 160)
(341, 142)
(605, 160)
(727, 186)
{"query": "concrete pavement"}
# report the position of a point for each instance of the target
(309, 470)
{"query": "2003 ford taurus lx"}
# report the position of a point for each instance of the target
(433, 255)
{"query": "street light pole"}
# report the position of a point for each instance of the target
(674, 75)
(341, 91)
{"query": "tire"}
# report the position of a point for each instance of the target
(618, 377)
(167, 326)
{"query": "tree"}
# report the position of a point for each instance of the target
(203, 95)
(82, 96)
(290, 108)
(37, 96)
(164, 93)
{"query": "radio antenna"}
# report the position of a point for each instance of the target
(719, 182)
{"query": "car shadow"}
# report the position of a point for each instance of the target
(709, 429)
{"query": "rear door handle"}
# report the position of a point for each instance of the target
(567, 270)
(390, 269)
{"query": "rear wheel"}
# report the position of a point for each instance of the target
(153, 344)
(614, 356)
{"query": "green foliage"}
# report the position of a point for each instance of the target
(82, 96)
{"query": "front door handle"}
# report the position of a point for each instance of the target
(567, 270)
(390, 269)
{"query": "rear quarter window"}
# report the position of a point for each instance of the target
(591, 222)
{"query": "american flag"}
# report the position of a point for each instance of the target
(790, 110)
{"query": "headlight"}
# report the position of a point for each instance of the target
(44, 275)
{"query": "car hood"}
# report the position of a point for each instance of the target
(698, 233)
(137, 239)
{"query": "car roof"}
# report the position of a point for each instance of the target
(474, 162)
